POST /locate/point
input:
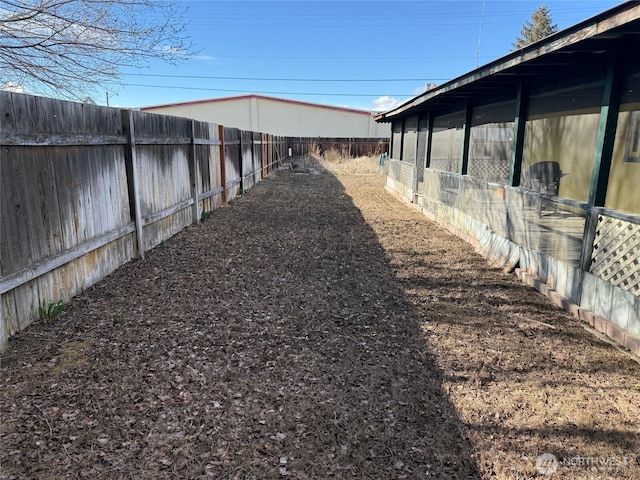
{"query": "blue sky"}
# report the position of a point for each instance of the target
(368, 55)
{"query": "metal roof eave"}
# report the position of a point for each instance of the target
(598, 25)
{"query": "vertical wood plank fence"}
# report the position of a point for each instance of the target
(351, 147)
(84, 189)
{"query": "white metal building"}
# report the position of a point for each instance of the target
(279, 116)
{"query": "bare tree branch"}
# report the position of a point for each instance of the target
(66, 48)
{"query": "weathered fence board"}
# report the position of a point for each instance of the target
(353, 147)
(233, 162)
(246, 149)
(208, 155)
(84, 189)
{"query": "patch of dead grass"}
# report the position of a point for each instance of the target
(524, 376)
(72, 355)
(339, 163)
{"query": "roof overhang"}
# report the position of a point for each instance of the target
(613, 32)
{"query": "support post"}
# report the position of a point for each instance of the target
(417, 163)
(466, 135)
(427, 153)
(402, 124)
(131, 165)
(193, 174)
(606, 136)
(588, 237)
(391, 141)
(602, 158)
(517, 146)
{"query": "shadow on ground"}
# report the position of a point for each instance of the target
(272, 341)
(524, 376)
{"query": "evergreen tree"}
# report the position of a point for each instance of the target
(538, 27)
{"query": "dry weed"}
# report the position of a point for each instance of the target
(340, 163)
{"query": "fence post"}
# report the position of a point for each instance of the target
(267, 151)
(131, 166)
(261, 157)
(253, 159)
(223, 164)
(241, 162)
(4, 331)
(193, 174)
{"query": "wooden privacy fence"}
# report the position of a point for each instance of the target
(352, 147)
(84, 189)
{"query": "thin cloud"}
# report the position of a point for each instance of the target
(385, 103)
(13, 87)
(172, 50)
(209, 60)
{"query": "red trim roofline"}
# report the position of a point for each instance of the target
(261, 97)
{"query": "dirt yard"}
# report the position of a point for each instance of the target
(316, 328)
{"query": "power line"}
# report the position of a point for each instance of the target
(315, 16)
(359, 57)
(173, 87)
(271, 79)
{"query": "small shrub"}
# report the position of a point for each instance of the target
(204, 216)
(48, 311)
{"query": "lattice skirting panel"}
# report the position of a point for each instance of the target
(616, 253)
(490, 169)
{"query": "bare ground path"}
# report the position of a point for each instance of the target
(314, 329)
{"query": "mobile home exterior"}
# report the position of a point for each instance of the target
(535, 158)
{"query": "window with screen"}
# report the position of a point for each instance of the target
(446, 142)
(624, 177)
(560, 141)
(491, 141)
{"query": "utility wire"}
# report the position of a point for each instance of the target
(358, 57)
(203, 77)
(173, 87)
(384, 15)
